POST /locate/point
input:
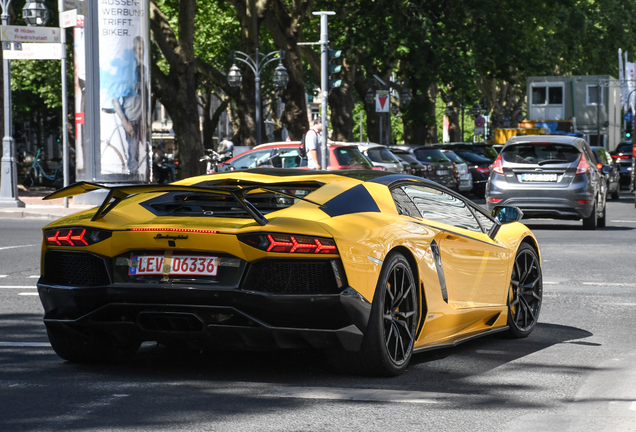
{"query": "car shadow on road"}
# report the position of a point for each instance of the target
(206, 381)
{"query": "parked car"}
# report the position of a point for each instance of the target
(549, 176)
(439, 168)
(609, 168)
(285, 155)
(465, 177)
(479, 167)
(380, 155)
(482, 148)
(416, 168)
(622, 154)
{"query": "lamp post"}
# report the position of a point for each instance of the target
(257, 62)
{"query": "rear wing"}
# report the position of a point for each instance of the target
(116, 194)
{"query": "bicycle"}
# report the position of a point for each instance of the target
(212, 160)
(38, 176)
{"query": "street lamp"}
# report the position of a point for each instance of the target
(35, 13)
(257, 62)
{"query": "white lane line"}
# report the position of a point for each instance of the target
(25, 344)
(626, 221)
(34, 277)
(3, 276)
(18, 286)
(621, 284)
(14, 247)
(351, 394)
(632, 407)
(28, 294)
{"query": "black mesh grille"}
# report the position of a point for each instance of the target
(292, 277)
(74, 269)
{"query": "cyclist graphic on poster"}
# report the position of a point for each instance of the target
(124, 94)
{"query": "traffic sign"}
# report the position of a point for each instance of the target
(35, 51)
(479, 121)
(479, 130)
(31, 34)
(628, 117)
(68, 18)
(382, 101)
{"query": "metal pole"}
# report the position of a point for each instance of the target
(8, 165)
(65, 156)
(381, 117)
(361, 138)
(324, 85)
(257, 81)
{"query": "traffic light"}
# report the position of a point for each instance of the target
(334, 69)
(629, 128)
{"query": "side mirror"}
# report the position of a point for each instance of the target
(504, 215)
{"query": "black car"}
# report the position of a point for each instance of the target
(622, 154)
(439, 168)
(479, 167)
(415, 167)
(482, 148)
(609, 168)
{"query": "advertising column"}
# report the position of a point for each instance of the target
(124, 91)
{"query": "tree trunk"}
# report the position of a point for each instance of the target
(342, 104)
(419, 121)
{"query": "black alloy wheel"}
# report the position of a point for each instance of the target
(388, 345)
(526, 292)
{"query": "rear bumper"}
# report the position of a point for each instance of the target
(546, 202)
(208, 318)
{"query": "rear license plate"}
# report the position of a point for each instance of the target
(441, 172)
(535, 177)
(181, 265)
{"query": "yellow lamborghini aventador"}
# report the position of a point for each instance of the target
(370, 266)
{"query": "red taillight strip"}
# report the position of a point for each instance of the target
(79, 237)
(302, 245)
(273, 244)
(326, 248)
(190, 230)
(54, 238)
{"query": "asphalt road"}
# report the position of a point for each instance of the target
(576, 372)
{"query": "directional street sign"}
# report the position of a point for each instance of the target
(35, 51)
(68, 18)
(31, 34)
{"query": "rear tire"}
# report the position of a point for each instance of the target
(388, 343)
(600, 221)
(589, 223)
(526, 292)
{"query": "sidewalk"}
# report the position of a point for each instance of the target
(35, 207)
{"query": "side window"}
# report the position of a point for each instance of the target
(403, 203)
(439, 206)
(249, 160)
(485, 221)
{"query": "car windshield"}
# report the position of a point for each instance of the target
(407, 157)
(350, 156)
(540, 153)
(453, 156)
(382, 155)
(430, 155)
(625, 148)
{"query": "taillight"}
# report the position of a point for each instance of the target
(621, 156)
(379, 168)
(599, 165)
(634, 151)
(494, 200)
(455, 171)
(75, 236)
(496, 166)
(484, 170)
(583, 166)
(288, 243)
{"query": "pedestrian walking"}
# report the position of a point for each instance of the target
(313, 145)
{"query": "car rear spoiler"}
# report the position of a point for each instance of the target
(118, 193)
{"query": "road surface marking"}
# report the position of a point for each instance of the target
(18, 286)
(14, 247)
(632, 407)
(352, 394)
(25, 344)
(3, 276)
(625, 221)
(28, 294)
(34, 277)
(622, 284)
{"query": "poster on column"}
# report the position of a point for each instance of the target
(124, 63)
(79, 67)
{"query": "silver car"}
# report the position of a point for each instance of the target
(549, 177)
(381, 156)
(465, 177)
